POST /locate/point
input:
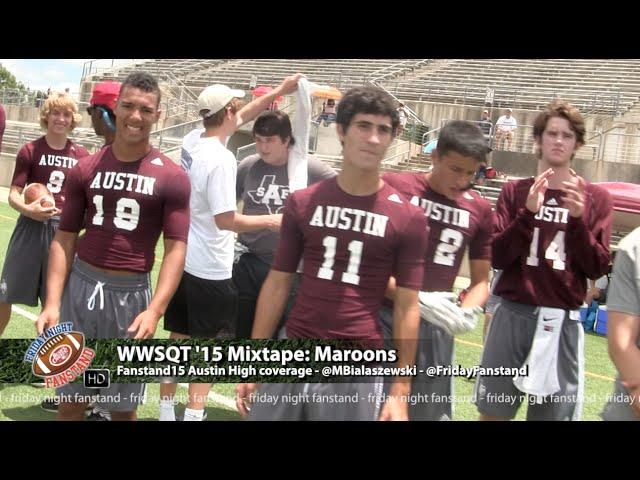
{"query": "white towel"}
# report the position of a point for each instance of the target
(543, 356)
(298, 154)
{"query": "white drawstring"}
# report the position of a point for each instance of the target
(92, 299)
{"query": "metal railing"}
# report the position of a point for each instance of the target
(412, 115)
(522, 141)
(103, 65)
(612, 101)
(16, 135)
(182, 89)
(167, 138)
(619, 147)
(396, 69)
(404, 154)
(13, 96)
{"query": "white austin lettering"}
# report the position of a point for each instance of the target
(124, 181)
(332, 217)
(553, 214)
(349, 219)
(57, 161)
(444, 213)
(345, 221)
(119, 183)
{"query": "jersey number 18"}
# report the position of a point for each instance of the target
(127, 213)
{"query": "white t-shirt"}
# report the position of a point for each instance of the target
(507, 124)
(213, 191)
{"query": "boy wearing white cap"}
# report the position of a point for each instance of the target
(205, 303)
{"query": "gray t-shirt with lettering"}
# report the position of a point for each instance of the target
(624, 296)
(263, 189)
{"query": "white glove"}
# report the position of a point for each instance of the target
(440, 309)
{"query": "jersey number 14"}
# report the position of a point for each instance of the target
(555, 251)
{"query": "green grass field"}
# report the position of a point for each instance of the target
(22, 402)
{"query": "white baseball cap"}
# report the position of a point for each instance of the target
(215, 97)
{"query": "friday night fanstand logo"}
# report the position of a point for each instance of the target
(58, 355)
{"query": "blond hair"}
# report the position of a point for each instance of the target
(60, 101)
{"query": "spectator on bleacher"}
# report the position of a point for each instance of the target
(328, 112)
(506, 127)
(403, 116)
(486, 125)
(3, 121)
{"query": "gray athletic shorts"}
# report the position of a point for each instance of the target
(317, 401)
(103, 305)
(24, 274)
(617, 408)
(508, 343)
(430, 396)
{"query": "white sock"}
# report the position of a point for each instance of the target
(167, 411)
(191, 415)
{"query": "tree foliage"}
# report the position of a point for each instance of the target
(8, 80)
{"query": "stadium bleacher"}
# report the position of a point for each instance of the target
(594, 85)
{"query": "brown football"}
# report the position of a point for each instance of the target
(34, 191)
(58, 353)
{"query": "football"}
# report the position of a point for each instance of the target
(33, 191)
(58, 353)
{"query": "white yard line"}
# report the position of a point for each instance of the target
(24, 313)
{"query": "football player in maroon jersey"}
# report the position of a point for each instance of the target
(47, 160)
(352, 232)
(129, 193)
(553, 233)
(458, 218)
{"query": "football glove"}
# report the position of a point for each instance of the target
(441, 309)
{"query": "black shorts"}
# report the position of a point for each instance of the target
(24, 274)
(202, 308)
(249, 273)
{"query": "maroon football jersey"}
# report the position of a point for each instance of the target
(127, 206)
(350, 246)
(547, 256)
(37, 162)
(453, 225)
